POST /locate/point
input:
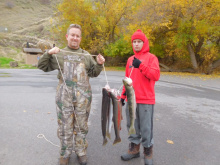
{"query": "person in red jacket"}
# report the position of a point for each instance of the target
(143, 69)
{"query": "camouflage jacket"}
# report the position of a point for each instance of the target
(49, 63)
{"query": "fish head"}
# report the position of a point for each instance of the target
(106, 90)
(127, 81)
(115, 93)
(107, 87)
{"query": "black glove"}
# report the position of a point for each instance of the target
(122, 102)
(136, 62)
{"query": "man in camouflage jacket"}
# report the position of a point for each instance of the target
(74, 94)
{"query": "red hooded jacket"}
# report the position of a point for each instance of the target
(145, 76)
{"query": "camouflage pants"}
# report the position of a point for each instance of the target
(72, 119)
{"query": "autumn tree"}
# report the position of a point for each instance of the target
(101, 20)
(78, 12)
(178, 27)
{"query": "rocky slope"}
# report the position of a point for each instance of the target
(24, 21)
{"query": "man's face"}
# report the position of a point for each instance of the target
(137, 45)
(74, 38)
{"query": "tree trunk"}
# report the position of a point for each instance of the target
(197, 50)
(192, 57)
(164, 68)
(214, 65)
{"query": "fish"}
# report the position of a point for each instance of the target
(117, 109)
(131, 101)
(105, 112)
(109, 123)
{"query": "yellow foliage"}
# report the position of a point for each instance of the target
(100, 20)
(171, 24)
(177, 23)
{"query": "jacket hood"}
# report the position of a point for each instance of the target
(145, 47)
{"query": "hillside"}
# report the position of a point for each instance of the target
(24, 21)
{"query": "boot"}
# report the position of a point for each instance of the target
(133, 152)
(64, 161)
(148, 155)
(82, 160)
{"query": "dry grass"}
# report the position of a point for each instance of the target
(23, 13)
(215, 75)
(26, 21)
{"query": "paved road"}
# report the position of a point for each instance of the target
(186, 125)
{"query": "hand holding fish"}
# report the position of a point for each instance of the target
(100, 59)
(54, 50)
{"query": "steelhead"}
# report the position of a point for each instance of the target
(131, 101)
(105, 112)
(117, 109)
(109, 123)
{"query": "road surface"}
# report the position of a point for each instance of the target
(186, 121)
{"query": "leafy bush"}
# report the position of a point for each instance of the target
(119, 48)
(158, 50)
(5, 62)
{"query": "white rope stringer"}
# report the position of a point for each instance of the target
(41, 136)
(105, 75)
(128, 77)
(77, 53)
(131, 72)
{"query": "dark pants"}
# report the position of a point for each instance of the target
(143, 125)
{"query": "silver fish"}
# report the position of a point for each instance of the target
(109, 123)
(117, 109)
(105, 113)
(131, 101)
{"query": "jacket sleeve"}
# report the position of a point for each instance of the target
(93, 68)
(47, 63)
(151, 70)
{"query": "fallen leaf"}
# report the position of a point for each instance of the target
(48, 112)
(170, 142)
(24, 111)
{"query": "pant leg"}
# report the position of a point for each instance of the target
(146, 113)
(82, 108)
(65, 117)
(134, 138)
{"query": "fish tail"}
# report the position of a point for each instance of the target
(132, 130)
(105, 141)
(108, 135)
(118, 140)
